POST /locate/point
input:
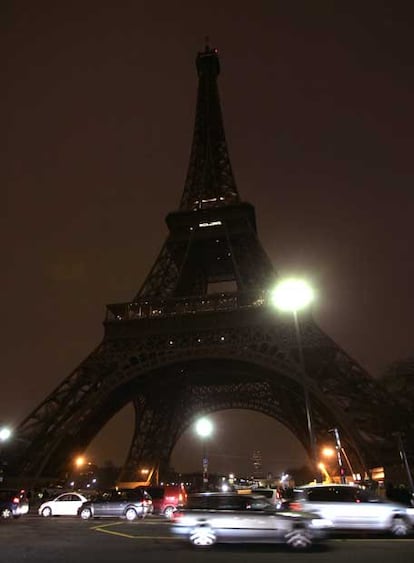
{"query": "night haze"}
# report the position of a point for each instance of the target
(98, 108)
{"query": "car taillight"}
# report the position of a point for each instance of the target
(295, 506)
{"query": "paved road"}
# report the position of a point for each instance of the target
(72, 540)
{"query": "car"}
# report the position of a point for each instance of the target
(353, 508)
(166, 498)
(65, 504)
(124, 503)
(209, 518)
(273, 495)
(13, 503)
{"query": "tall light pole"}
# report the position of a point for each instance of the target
(404, 460)
(5, 434)
(204, 429)
(338, 448)
(293, 295)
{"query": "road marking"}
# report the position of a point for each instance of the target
(106, 525)
(104, 529)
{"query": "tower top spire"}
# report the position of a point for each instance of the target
(208, 60)
(210, 179)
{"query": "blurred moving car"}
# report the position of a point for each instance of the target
(122, 503)
(208, 518)
(13, 503)
(65, 504)
(166, 498)
(352, 507)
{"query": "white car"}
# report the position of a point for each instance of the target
(272, 494)
(354, 508)
(65, 504)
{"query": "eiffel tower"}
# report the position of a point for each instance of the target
(201, 336)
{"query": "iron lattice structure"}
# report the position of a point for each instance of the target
(200, 336)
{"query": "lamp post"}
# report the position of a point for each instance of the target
(404, 460)
(293, 295)
(338, 448)
(5, 434)
(204, 429)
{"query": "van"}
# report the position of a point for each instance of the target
(166, 498)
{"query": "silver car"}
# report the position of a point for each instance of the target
(208, 518)
(124, 503)
(353, 508)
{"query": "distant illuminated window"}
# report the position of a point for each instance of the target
(210, 224)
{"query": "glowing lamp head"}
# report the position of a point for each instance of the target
(204, 427)
(292, 295)
(5, 434)
(79, 461)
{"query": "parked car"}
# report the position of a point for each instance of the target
(124, 503)
(208, 518)
(353, 508)
(65, 504)
(166, 498)
(13, 503)
(273, 495)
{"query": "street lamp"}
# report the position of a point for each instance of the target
(204, 429)
(5, 434)
(293, 295)
(80, 461)
(328, 452)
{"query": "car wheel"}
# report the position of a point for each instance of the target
(6, 513)
(131, 514)
(299, 539)
(203, 536)
(46, 512)
(169, 511)
(86, 513)
(399, 527)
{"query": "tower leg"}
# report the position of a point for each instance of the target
(156, 431)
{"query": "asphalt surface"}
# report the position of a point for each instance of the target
(72, 540)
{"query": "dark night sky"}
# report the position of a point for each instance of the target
(98, 103)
